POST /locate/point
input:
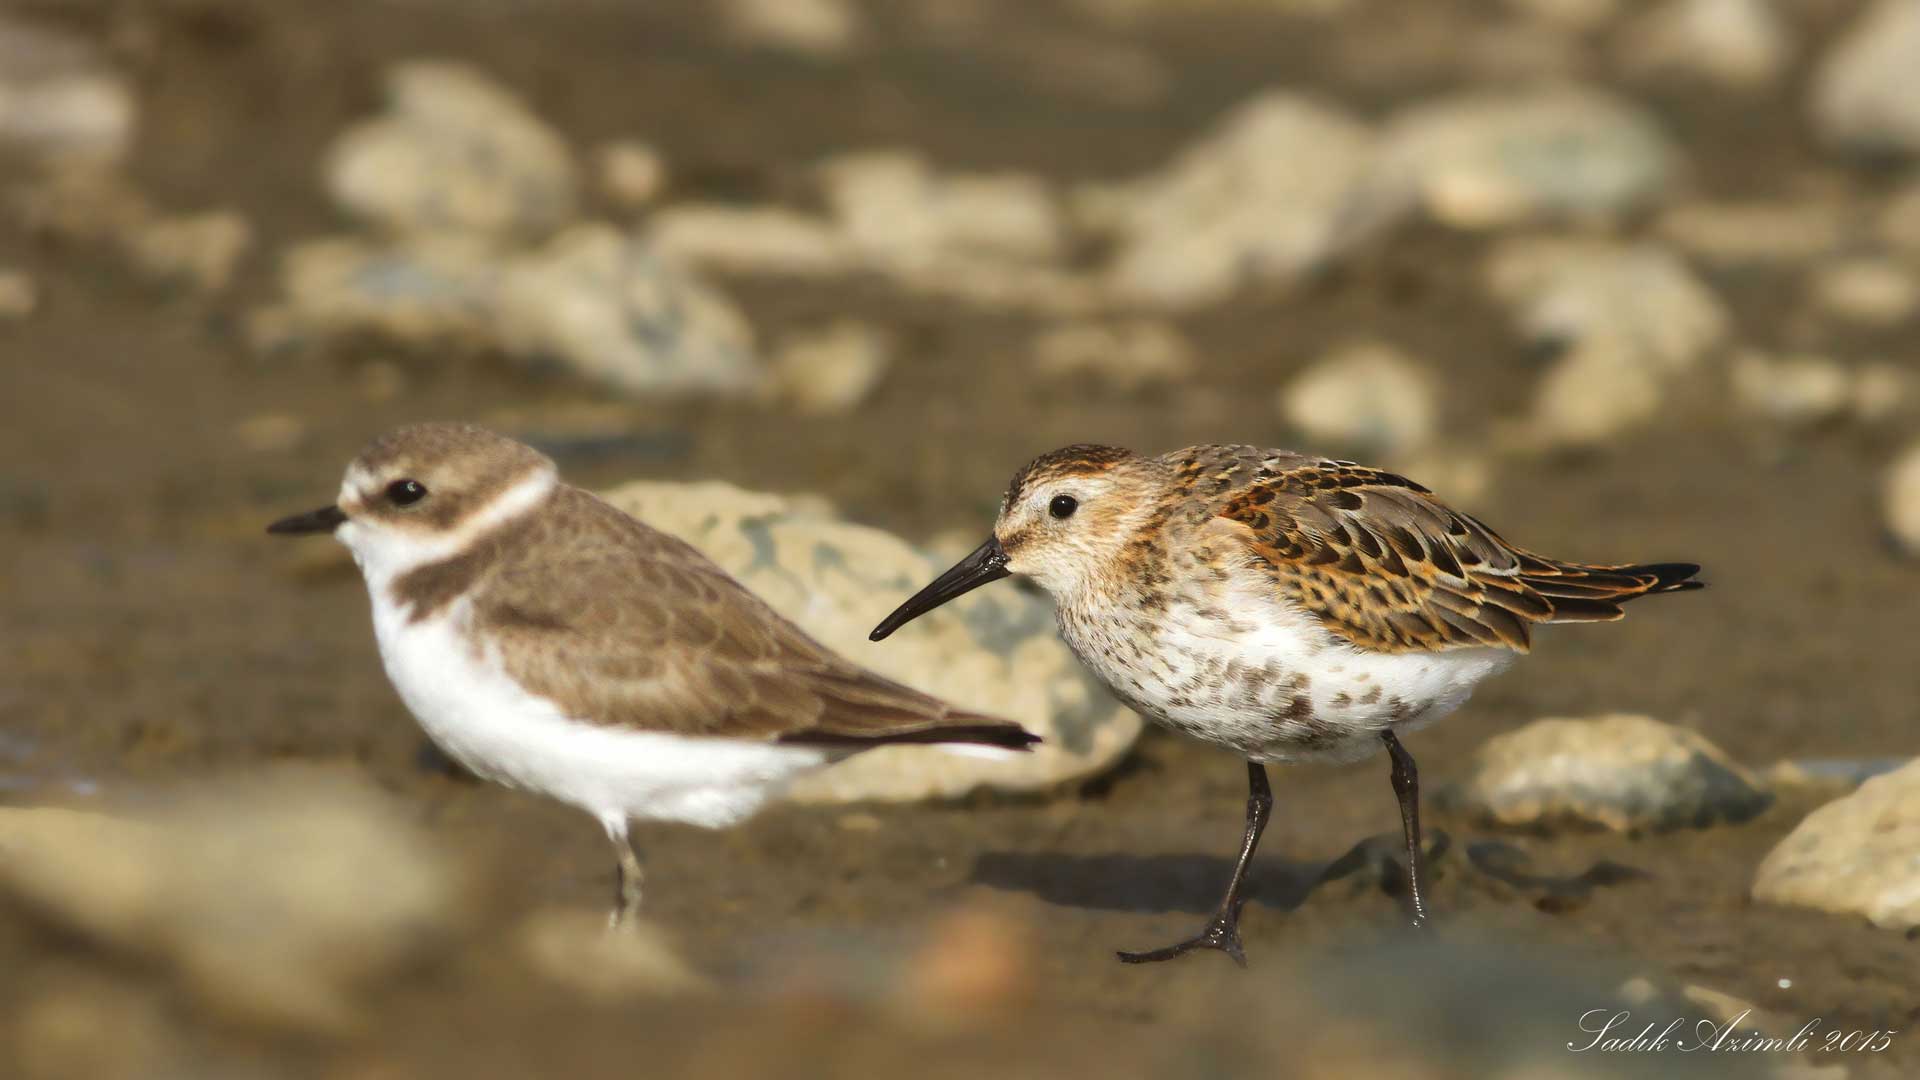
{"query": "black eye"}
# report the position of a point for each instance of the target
(406, 492)
(1063, 506)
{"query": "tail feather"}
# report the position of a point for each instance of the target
(1582, 593)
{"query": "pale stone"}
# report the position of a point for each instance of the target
(274, 896)
(1756, 233)
(751, 240)
(631, 173)
(575, 951)
(19, 294)
(900, 213)
(1738, 44)
(58, 100)
(831, 370)
(1366, 395)
(202, 249)
(1621, 772)
(1857, 855)
(1263, 196)
(816, 28)
(1796, 390)
(1127, 354)
(610, 309)
(1485, 159)
(994, 650)
(1870, 291)
(455, 150)
(1866, 91)
(1901, 497)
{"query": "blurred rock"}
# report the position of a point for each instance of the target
(58, 99)
(631, 173)
(1367, 397)
(421, 293)
(751, 240)
(1857, 855)
(816, 28)
(575, 951)
(1902, 500)
(1459, 474)
(609, 308)
(1880, 390)
(1621, 772)
(1866, 91)
(1798, 391)
(1630, 318)
(831, 370)
(1126, 354)
(1870, 291)
(84, 1024)
(274, 896)
(1487, 159)
(96, 204)
(200, 249)
(902, 215)
(1262, 196)
(993, 650)
(975, 964)
(1829, 776)
(1759, 233)
(19, 294)
(1738, 44)
(454, 150)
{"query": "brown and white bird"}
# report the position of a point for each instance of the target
(550, 642)
(1286, 607)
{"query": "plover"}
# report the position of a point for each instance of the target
(1286, 607)
(548, 641)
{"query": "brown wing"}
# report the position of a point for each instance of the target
(1387, 566)
(635, 628)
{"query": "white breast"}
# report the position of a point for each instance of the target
(1252, 673)
(486, 721)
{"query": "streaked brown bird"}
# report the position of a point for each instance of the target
(1286, 607)
(548, 641)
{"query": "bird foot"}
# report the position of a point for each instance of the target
(1222, 933)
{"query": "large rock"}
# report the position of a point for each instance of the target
(1857, 855)
(607, 306)
(901, 214)
(1628, 319)
(1738, 44)
(455, 150)
(1364, 397)
(1486, 159)
(274, 897)
(58, 99)
(592, 300)
(993, 650)
(1262, 196)
(1866, 93)
(1622, 772)
(1902, 500)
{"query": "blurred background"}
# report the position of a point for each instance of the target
(805, 281)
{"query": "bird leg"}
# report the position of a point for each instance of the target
(1223, 930)
(626, 892)
(1406, 786)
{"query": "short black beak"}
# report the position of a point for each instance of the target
(324, 520)
(987, 563)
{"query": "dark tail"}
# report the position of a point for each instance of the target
(1582, 593)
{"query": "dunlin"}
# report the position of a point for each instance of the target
(548, 641)
(1286, 607)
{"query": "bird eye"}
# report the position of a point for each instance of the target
(406, 492)
(1063, 506)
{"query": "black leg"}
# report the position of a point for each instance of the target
(1223, 930)
(1406, 786)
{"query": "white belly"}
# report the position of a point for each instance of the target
(1270, 682)
(488, 723)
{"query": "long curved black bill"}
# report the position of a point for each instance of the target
(987, 563)
(324, 520)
